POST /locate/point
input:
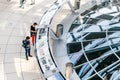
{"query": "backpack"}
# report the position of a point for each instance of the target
(24, 43)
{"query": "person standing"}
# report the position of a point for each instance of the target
(26, 44)
(33, 32)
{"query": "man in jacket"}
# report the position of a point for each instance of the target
(22, 2)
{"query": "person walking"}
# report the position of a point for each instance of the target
(22, 2)
(8, 0)
(32, 2)
(26, 45)
(33, 32)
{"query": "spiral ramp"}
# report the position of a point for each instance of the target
(15, 25)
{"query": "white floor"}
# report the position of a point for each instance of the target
(14, 26)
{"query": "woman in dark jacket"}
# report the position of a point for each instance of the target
(33, 32)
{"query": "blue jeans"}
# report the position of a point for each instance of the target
(27, 52)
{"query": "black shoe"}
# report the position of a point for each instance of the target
(32, 3)
(8, 0)
(30, 56)
(27, 59)
(21, 7)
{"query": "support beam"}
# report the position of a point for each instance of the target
(53, 34)
(102, 48)
(71, 7)
(77, 6)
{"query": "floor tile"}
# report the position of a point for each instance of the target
(15, 25)
(10, 69)
(13, 48)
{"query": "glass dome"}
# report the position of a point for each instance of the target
(93, 44)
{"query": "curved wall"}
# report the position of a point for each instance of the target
(46, 61)
(47, 64)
